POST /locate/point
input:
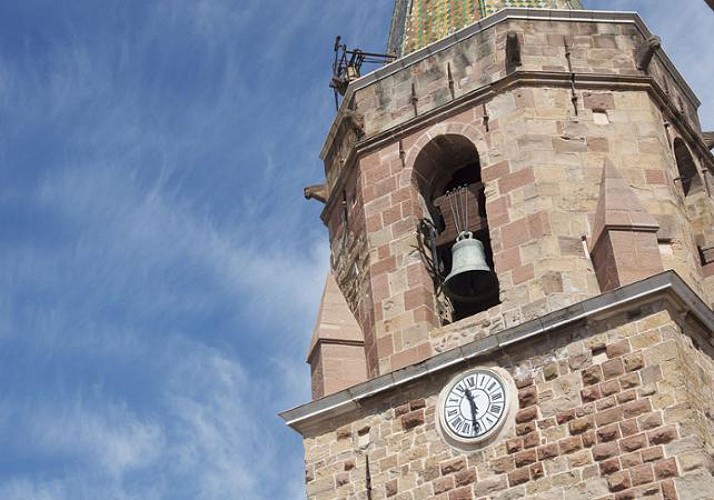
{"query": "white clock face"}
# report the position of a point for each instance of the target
(474, 405)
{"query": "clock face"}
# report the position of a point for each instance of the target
(474, 405)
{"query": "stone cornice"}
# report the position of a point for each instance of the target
(489, 22)
(668, 285)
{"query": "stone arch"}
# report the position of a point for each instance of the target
(444, 158)
(468, 131)
(462, 135)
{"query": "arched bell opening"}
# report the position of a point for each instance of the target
(447, 174)
(686, 167)
(696, 202)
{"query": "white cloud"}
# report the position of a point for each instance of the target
(101, 433)
(27, 489)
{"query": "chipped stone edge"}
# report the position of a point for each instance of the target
(489, 22)
(305, 417)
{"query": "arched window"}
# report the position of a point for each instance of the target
(446, 163)
(688, 175)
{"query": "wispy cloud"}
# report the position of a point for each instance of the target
(159, 269)
(159, 282)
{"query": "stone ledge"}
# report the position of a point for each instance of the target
(669, 285)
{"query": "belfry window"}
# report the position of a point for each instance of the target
(688, 176)
(447, 174)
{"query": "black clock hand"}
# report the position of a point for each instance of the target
(472, 404)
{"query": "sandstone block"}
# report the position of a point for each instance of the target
(588, 439)
(642, 474)
(537, 471)
(502, 465)
(652, 454)
(518, 476)
(592, 375)
(635, 408)
(465, 477)
(465, 493)
(443, 484)
(550, 371)
(662, 436)
(391, 488)
(619, 481)
(531, 440)
(413, 419)
(569, 445)
(548, 451)
(486, 487)
(630, 380)
(599, 101)
(669, 491)
(617, 349)
(451, 466)
(514, 445)
(590, 394)
(631, 460)
(580, 425)
(609, 466)
(633, 443)
(634, 362)
(527, 415)
(629, 427)
(579, 459)
(613, 368)
(605, 451)
(608, 417)
(608, 433)
(564, 417)
(527, 396)
(525, 458)
(606, 403)
(664, 469)
(626, 396)
(649, 420)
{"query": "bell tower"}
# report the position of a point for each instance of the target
(519, 305)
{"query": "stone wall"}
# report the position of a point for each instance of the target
(613, 409)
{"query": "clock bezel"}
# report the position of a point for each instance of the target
(460, 441)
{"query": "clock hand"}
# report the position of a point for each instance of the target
(472, 404)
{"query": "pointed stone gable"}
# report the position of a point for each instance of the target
(618, 206)
(625, 247)
(336, 354)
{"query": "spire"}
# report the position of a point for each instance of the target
(417, 23)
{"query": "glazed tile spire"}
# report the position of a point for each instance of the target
(417, 23)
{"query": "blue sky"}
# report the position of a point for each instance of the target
(159, 269)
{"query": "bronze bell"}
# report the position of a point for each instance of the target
(470, 278)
